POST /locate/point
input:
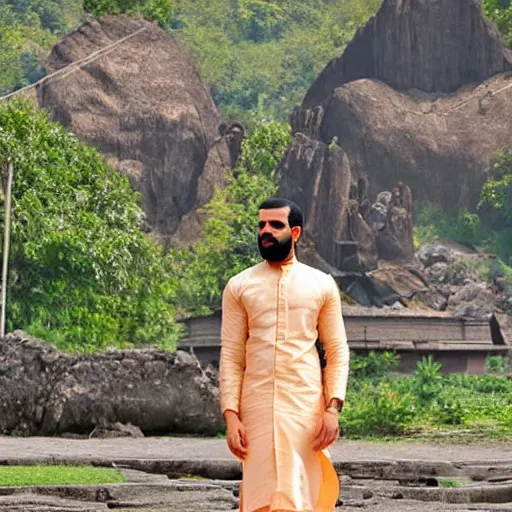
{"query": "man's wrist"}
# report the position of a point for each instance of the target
(335, 403)
(230, 415)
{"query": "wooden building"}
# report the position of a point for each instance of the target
(461, 345)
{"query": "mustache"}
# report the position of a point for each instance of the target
(268, 238)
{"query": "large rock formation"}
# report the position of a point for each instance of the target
(134, 92)
(46, 392)
(423, 95)
(318, 178)
(340, 220)
(430, 45)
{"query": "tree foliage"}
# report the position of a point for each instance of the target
(496, 198)
(28, 29)
(489, 228)
(159, 11)
(257, 52)
(229, 236)
(82, 273)
(501, 12)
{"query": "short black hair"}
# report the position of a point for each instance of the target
(295, 217)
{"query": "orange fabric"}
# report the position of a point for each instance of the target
(270, 374)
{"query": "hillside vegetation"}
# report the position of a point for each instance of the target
(253, 54)
(82, 273)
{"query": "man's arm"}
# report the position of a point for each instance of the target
(232, 354)
(331, 329)
(232, 365)
(335, 375)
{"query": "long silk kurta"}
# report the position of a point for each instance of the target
(270, 374)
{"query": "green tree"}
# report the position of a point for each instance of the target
(495, 206)
(23, 42)
(229, 234)
(82, 273)
(496, 197)
(501, 12)
(260, 20)
(159, 11)
(49, 13)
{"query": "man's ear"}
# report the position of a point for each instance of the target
(296, 232)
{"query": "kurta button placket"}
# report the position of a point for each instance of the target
(280, 337)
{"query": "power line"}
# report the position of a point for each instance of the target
(74, 66)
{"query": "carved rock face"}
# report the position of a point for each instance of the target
(144, 106)
(318, 178)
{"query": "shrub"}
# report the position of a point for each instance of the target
(374, 365)
(378, 409)
(497, 364)
(82, 273)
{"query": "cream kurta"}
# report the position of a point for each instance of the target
(270, 374)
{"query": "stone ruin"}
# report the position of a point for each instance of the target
(123, 392)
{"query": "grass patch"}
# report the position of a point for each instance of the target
(450, 482)
(57, 475)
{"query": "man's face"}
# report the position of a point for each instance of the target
(275, 237)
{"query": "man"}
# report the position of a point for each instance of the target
(280, 412)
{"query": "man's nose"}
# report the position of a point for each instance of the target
(267, 228)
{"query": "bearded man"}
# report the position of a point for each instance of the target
(281, 413)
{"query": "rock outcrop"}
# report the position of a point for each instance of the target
(46, 392)
(439, 146)
(317, 178)
(429, 45)
(133, 92)
(465, 283)
(422, 95)
(339, 217)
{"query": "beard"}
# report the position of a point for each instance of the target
(276, 252)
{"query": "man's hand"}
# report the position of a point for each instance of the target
(327, 432)
(236, 437)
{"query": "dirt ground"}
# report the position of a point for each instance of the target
(190, 448)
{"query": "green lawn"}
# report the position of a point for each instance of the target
(57, 475)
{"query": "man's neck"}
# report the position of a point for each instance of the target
(279, 264)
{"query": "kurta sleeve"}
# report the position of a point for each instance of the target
(331, 329)
(232, 354)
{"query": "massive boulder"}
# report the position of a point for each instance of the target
(133, 91)
(439, 146)
(429, 45)
(423, 95)
(46, 392)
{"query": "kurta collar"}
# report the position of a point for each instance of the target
(285, 268)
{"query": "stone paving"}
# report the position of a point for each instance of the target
(171, 474)
(190, 448)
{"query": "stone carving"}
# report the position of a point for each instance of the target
(234, 135)
(395, 238)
